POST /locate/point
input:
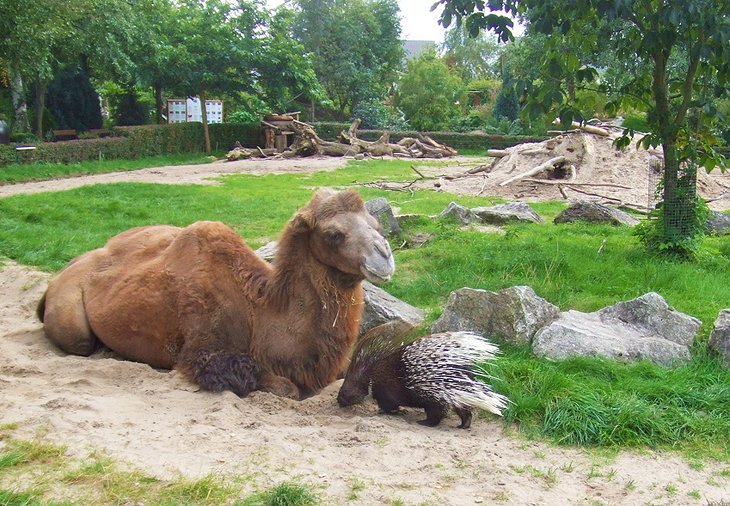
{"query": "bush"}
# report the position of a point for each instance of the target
(224, 135)
(242, 116)
(152, 140)
(375, 114)
(24, 138)
(7, 154)
(635, 121)
(507, 105)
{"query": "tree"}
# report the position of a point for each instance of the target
(653, 33)
(355, 46)
(218, 40)
(31, 31)
(285, 69)
(430, 93)
(474, 57)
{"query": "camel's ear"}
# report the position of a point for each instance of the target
(303, 221)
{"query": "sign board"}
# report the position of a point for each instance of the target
(181, 110)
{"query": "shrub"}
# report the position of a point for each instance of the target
(375, 114)
(507, 105)
(151, 140)
(225, 135)
(635, 121)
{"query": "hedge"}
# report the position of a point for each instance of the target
(137, 142)
(331, 131)
(224, 135)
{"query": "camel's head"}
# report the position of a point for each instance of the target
(344, 236)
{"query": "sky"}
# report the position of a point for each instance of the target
(418, 22)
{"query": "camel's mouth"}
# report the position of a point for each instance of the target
(380, 270)
(379, 265)
(375, 277)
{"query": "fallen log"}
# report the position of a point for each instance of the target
(550, 164)
(497, 153)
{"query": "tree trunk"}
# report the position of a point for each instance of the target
(20, 109)
(40, 105)
(204, 113)
(679, 214)
(159, 104)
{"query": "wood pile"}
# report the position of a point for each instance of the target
(308, 143)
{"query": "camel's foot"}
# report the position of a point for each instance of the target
(223, 370)
(278, 385)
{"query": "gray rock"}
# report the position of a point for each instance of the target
(720, 337)
(381, 210)
(513, 314)
(643, 328)
(509, 212)
(457, 213)
(381, 307)
(268, 251)
(595, 213)
(651, 312)
(718, 223)
(406, 219)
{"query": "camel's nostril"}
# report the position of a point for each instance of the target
(383, 248)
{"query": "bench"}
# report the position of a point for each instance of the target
(64, 134)
(101, 132)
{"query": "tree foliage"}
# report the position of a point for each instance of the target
(474, 57)
(430, 93)
(355, 46)
(651, 36)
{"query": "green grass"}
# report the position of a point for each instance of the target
(25, 172)
(284, 494)
(589, 402)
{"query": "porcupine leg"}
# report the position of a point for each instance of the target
(465, 415)
(434, 414)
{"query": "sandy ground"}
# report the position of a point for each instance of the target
(159, 422)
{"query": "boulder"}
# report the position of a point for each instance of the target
(457, 213)
(381, 210)
(381, 307)
(720, 337)
(718, 223)
(643, 328)
(268, 251)
(513, 314)
(594, 212)
(507, 213)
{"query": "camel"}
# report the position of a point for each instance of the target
(199, 300)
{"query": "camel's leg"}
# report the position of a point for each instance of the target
(217, 370)
(278, 385)
(65, 322)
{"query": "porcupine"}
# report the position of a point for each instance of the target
(436, 373)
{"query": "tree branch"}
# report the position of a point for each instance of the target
(694, 62)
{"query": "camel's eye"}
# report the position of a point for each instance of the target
(334, 236)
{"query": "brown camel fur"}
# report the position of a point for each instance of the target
(200, 300)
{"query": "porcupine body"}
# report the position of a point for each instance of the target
(436, 373)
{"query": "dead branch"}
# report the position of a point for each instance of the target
(540, 168)
(562, 182)
(497, 153)
(414, 169)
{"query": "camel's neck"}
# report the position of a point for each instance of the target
(298, 276)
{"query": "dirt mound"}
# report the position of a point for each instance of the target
(580, 166)
(160, 423)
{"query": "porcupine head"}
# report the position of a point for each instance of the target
(373, 354)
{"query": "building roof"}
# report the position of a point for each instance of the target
(414, 48)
